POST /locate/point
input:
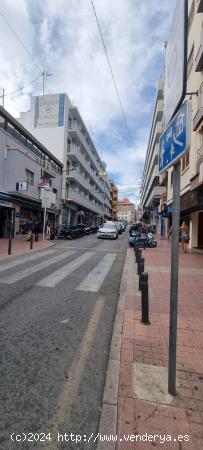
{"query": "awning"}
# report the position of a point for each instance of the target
(24, 202)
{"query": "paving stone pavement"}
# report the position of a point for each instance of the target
(20, 246)
(149, 345)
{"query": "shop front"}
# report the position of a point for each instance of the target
(7, 217)
(191, 211)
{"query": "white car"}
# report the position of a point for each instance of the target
(108, 230)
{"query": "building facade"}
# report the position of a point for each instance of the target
(153, 187)
(114, 200)
(126, 211)
(191, 202)
(30, 178)
(86, 195)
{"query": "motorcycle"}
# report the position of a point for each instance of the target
(146, 241)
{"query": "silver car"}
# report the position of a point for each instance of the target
(108, 230)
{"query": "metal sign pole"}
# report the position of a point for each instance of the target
(174, 280)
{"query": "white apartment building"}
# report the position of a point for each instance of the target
(126, 211)
(58, 124)
(153, 185)
(191, 203)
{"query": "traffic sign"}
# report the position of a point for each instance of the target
(174, 141)
(176, 62)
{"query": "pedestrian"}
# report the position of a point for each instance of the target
(48, 230)
(29, 226)
(170, 232)
(184, 236)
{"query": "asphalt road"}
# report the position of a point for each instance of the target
(57, 309)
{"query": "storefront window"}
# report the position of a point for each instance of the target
(2, 122)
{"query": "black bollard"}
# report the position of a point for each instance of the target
(145, 298)
(139, 255)
(141, 270)
(9, 244)
(31, 242)
(136, 247)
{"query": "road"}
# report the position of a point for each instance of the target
(57, 312)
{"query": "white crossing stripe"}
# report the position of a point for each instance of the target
(27, 258)
(53, 279)
(95, 278)
(36, 268)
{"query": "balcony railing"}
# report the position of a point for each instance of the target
(76, 176)
(80, 200)
(75, 129)
(76, 154)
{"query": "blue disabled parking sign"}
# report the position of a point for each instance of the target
(174, 141)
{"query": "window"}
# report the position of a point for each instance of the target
(190, 61)
(10, 128)
(29, 176)
(185, 161)
(17, 134)
(2, 122)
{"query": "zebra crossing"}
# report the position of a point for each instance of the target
(91, 282)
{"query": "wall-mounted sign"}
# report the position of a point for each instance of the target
(22, 186)
(49, 111)
(102, 174)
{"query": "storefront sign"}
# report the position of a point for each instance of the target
(6, 204)
(189, 200)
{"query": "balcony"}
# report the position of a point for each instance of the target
(199, 5)
(199, 56)
(156, 193)
(76, 154)
(80, 179)
(75, 131)
(80, 200)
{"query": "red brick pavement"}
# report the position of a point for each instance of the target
(21, 246)
(149, 345)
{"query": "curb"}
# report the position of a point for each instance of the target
(108, 418)
(13, 255)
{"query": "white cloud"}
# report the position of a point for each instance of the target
(63, 38)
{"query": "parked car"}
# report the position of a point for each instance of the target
(108, 230)
(119, 227)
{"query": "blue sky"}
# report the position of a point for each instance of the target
(61, 36)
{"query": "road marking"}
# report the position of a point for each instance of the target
(65, 321)
(28, 258)
(71, 387)
(57, 276)
(36, 268)
(88, 248)
(95, 278)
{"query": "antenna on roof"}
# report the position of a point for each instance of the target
(45, 75)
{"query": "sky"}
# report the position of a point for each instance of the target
(62, 37)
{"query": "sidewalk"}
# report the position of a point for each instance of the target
(20, 246)
(139, 401)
